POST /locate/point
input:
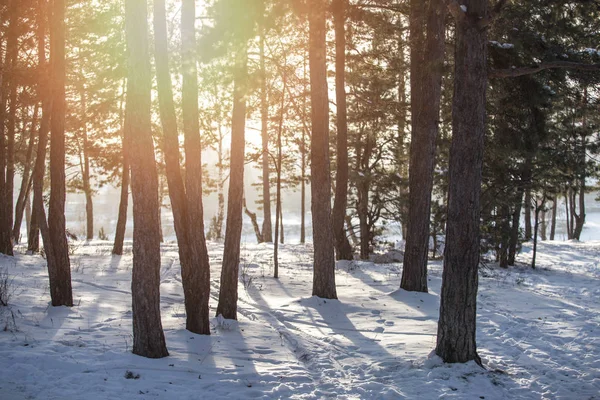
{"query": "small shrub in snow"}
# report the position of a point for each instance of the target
(6, 287)
(131, 375)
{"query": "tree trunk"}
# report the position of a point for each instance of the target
(85, 173)
(38, 218)
(514, 228)
(123, 202)
(267, 228)
(362, 209)
(528, 228)
(324, 261)
(553, 223)
(26, 182)
(543, 225)
(61, 289)
(278, 213)
(148, 335)
(125, 174)
(7, 133)
(426, 70)
(458, 306)
(303, 190)
(342, 246)
(253, 220)
(228, 293)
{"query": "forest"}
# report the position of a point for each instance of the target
(311, 199)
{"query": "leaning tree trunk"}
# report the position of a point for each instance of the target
(324, 261)
(458, 305)
(61, 290)
(228, 293)
(426, 70)
(26, 182)
(148, 335)
(342, 245)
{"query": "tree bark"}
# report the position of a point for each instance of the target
(324, 262)
(553, 222)
(514, 229)
(458, 307)
(342, 245)
(85, 173)
(123, 200)
(228, 293)
(124, 196)
(278, 213)
(148, 335)
(426, 70)
(7, 130)
(60, 291)
(267, 228)
(26, 182)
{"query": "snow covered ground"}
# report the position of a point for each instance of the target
(538, 332)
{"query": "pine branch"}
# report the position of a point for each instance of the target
(514, 72)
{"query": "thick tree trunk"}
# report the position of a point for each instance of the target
(198, 282)
(26, 181)
(543, 225)
(458, 307)
(342, 246)
(228, 293)
(148, 335)
(267, 228)
(324, 261)
(61, 289)
(427, 28)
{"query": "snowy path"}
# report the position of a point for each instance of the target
(538, 332)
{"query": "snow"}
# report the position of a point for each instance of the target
(537, 332)
(505, 46)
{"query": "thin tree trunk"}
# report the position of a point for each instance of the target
(426, 70)
(528, 228)
(7, 130)
(228, 293)
(28, 211)
(26, 182)
(148, 335)
(124, 197)
(267, 229)
(342, 246)
(253, 220)
(458, 306)
(60, 290)
(554, 211)
(278, 214)
(350, 229)
(123, 202)
(85, 173)
(324, 259)
(303, 190)
(514, 228)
